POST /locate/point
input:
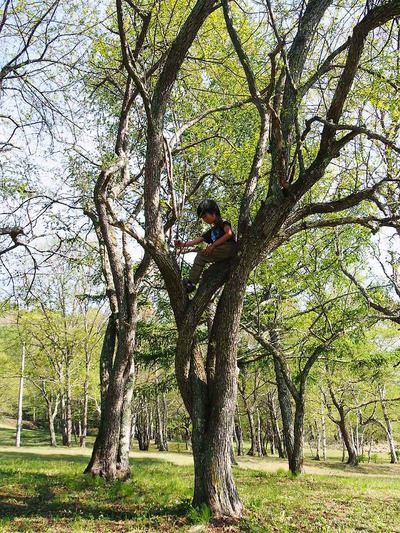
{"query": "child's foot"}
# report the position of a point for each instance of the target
(189, 286)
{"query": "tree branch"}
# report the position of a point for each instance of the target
(355, 130)
(323, 69)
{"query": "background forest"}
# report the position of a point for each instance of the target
(116, 121)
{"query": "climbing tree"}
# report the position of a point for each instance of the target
(305, 121)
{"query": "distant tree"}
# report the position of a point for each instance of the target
(62, 334)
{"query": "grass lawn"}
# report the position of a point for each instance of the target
(43, 489)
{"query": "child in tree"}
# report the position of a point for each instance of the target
(220, 239)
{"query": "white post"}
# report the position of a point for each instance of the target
(21, 392)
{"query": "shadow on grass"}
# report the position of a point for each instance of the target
(28, 493)
(361, 468)
(34, 438)
(29, 437)
(76, 457)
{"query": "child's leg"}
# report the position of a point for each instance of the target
(220, 253)
(199, 263)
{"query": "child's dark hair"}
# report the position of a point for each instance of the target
(208, 206)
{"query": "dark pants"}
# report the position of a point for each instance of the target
(220, 253)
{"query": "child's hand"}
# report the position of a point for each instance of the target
(209, 249)
(179, 244)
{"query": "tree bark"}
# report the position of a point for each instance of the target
(143, 425)
(239, 434)
(351, 450)
(104, 461)
(276, 440)
(323, 426)
(389, 431)
(317, 456)
(51, 414)
(259, 435)
(126, 421)
(83, 434)
(161, 439)
(285, 405)
(344, 432)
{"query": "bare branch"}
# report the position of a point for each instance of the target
(323, 69)
(4, 16)
(374, 18)
(393, 315)
(333, 207)
(178, 134)
(130, 64)
(355, 130)
(370, 222)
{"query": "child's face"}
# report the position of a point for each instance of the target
(209, 218)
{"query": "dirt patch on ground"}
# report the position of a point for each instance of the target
(264, 464)
(273, 464)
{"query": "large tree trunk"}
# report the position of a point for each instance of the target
(213, 425)
(214, 485)
(107, 357)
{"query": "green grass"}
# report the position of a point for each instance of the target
(43, 489)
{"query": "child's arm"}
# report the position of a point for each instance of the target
(188, 244)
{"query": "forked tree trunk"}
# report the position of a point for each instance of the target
(214, 485)
(104, 457)
(352, 459)
(214, 408)
(345, 435)
(104, 460)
